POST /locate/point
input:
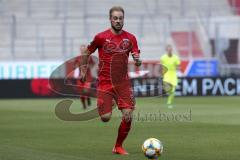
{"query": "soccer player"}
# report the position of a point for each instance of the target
(85, 85)
(114, 46)
(171, 62)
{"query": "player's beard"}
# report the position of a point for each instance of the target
(117, 27)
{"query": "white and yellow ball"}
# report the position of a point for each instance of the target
(152, 148)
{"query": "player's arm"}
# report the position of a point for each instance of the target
(177, 67)
(161, 59)
(85, 56)
(177, 63)
(164, 68)
(136, 59)
(136, 52)
(83, 64)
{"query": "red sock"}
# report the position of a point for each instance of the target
(123, 130)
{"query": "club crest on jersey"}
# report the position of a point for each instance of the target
(125, 44)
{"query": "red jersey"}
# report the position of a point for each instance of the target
(113, 51)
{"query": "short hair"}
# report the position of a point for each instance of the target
(116, 8)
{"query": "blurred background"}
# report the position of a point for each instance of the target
(38, 35)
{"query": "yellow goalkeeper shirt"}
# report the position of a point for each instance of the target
(171, 63)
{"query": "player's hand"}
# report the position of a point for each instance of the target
(137, 60)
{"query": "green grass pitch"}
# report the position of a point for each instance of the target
(29, 130)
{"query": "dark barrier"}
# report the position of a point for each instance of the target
(44, 88)
(218, 86)
(26, 88)
(143, 87)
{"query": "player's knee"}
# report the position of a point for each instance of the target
(127, 116)
(106, 117)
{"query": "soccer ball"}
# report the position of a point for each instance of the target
(152, 148)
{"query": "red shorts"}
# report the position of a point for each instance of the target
(121, 93)
(84, 88)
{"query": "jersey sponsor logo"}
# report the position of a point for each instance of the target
(111, 47)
